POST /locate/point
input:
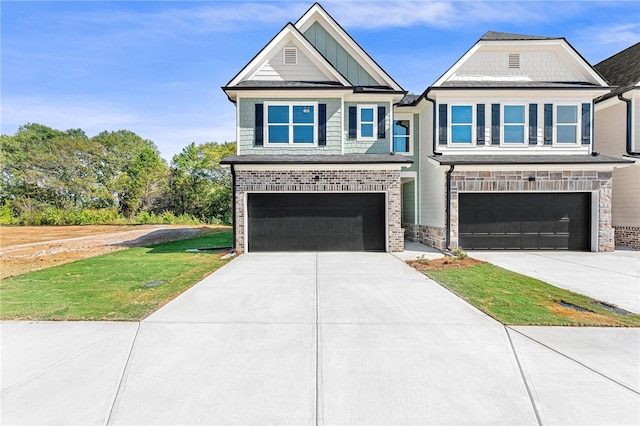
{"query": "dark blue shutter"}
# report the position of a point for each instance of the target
(442, 124)
(353, 122)
(382, 128)
(533, 124)
(480, 124)
(548, 124)
(258, 132)
(495, 124)
(586, 124)
(322, 124)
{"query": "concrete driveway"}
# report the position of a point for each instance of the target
(608, 277)
(329, 338)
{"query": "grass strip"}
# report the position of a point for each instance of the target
(516, 299)
(112, 286)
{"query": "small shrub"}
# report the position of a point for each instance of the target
(459, 254)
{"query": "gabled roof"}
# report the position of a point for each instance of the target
(288, 34)
(494, 38)
(495, 35)
(623, 68)
(316, 13)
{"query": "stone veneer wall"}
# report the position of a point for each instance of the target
(627, 236)
(430, 236)
(546, 181)
(328, 181)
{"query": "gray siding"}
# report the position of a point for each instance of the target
(247, 124)
(408, 201)
(338, 56)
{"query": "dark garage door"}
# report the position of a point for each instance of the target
(316, 222)
(525, 221)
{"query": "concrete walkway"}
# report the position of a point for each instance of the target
(608, 277)
(327, 338)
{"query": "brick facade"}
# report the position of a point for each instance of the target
(627, 236)
(387, 181)
(545, 181)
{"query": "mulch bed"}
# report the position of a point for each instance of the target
(443, 263)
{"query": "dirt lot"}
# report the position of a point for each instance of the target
(29, 248)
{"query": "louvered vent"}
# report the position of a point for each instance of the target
(290, 55)
(514, 60)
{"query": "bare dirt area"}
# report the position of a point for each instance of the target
(443, 263)
(29, 248)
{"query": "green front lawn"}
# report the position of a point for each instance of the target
(516, 299)
(112, 286)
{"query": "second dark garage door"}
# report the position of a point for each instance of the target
(316, 222)
(502, 221)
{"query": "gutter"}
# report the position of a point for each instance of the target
(433, 127)
(629, 146)
(448, 237)
(233, 205)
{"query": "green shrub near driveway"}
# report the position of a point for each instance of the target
(126, 285)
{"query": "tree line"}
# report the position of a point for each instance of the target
(57, 177)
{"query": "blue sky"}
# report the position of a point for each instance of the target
(156, 67)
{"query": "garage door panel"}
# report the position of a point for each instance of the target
(316, 222)
(550, 221)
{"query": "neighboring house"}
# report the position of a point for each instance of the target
(333, 155)
(507, 158)
(618, 133)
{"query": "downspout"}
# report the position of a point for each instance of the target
(233, 205)
(630, 150)
(448, 237)
(433, 127)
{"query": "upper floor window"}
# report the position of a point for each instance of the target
(367, 121)
(567, 124)
(461, 124)
(402, 142)
(514, 124)
(291, 123)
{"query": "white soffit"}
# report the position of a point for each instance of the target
(317, 14)
(289, 34)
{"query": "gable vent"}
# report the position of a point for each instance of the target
(290, 55)
(514, 60)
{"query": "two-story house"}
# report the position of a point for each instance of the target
(333, 155)
(618, 133)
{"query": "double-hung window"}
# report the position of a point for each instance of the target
(402, 135)
(514, 124)
(567, 124)
(461, 124)
(367, 122)
(293, 124)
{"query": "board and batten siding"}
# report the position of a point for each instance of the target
(625, 207)
(536, 66)
(611, 130)
(338, 56)
(636, 121)
(409, 201)
(375, 146)
(246, 111)
(276, 70)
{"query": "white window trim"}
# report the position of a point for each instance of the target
(578, 124)
(525, 133)
(474, 136)
(409, 139)
(265, 124)
(375, 122)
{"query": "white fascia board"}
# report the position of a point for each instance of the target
(318, 14)
(300, 93)
(534, 167)
(498, 94)
(289, 34)
(457, 65)
(319, 167)
(373, 97)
